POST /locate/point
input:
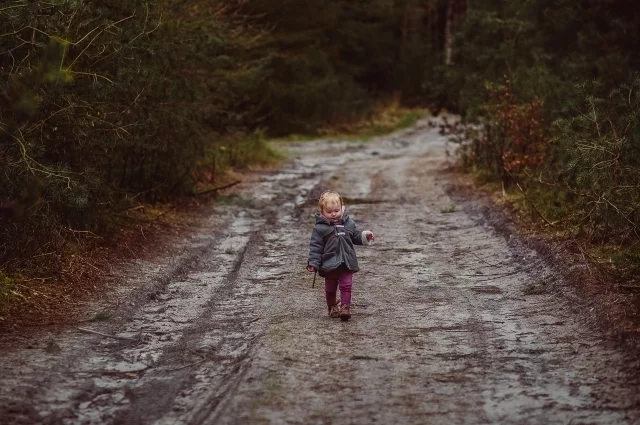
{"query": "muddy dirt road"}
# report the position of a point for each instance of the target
(451, 325)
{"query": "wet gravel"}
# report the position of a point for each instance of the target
(453, 323)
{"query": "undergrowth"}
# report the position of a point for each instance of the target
(7, 289)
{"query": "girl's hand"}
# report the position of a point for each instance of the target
(367, 238)
(311, 269)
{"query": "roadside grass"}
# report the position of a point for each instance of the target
(234, 152)
(621, 261)
(389, 121)
(386, 119)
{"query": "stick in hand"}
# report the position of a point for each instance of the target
(315, 272)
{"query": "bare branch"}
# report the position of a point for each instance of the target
(14, 7)
(92, 74)
(97, 35)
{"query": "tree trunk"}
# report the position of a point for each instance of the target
(431, 23)
(456, 9)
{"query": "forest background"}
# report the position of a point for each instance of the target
(110, 104)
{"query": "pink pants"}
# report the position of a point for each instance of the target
(341, 278)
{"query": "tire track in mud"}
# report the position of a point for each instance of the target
(91, 379)
(220, 338)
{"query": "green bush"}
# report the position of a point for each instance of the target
(598, 160)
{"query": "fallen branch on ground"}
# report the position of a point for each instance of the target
(217, 189)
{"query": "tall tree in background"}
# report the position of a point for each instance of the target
(456, 9)
(331, 61)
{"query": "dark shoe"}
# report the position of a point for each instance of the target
(345, 313)
(334, 311)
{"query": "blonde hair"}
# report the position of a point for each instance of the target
(329, 197)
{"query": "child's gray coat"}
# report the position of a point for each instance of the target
(332, 245)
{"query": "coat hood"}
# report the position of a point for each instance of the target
(324, 220)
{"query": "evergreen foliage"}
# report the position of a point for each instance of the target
(110, 102)
(568, 110)
(329, 62)
(598, 160)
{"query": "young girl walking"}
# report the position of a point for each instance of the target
(332, 252)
